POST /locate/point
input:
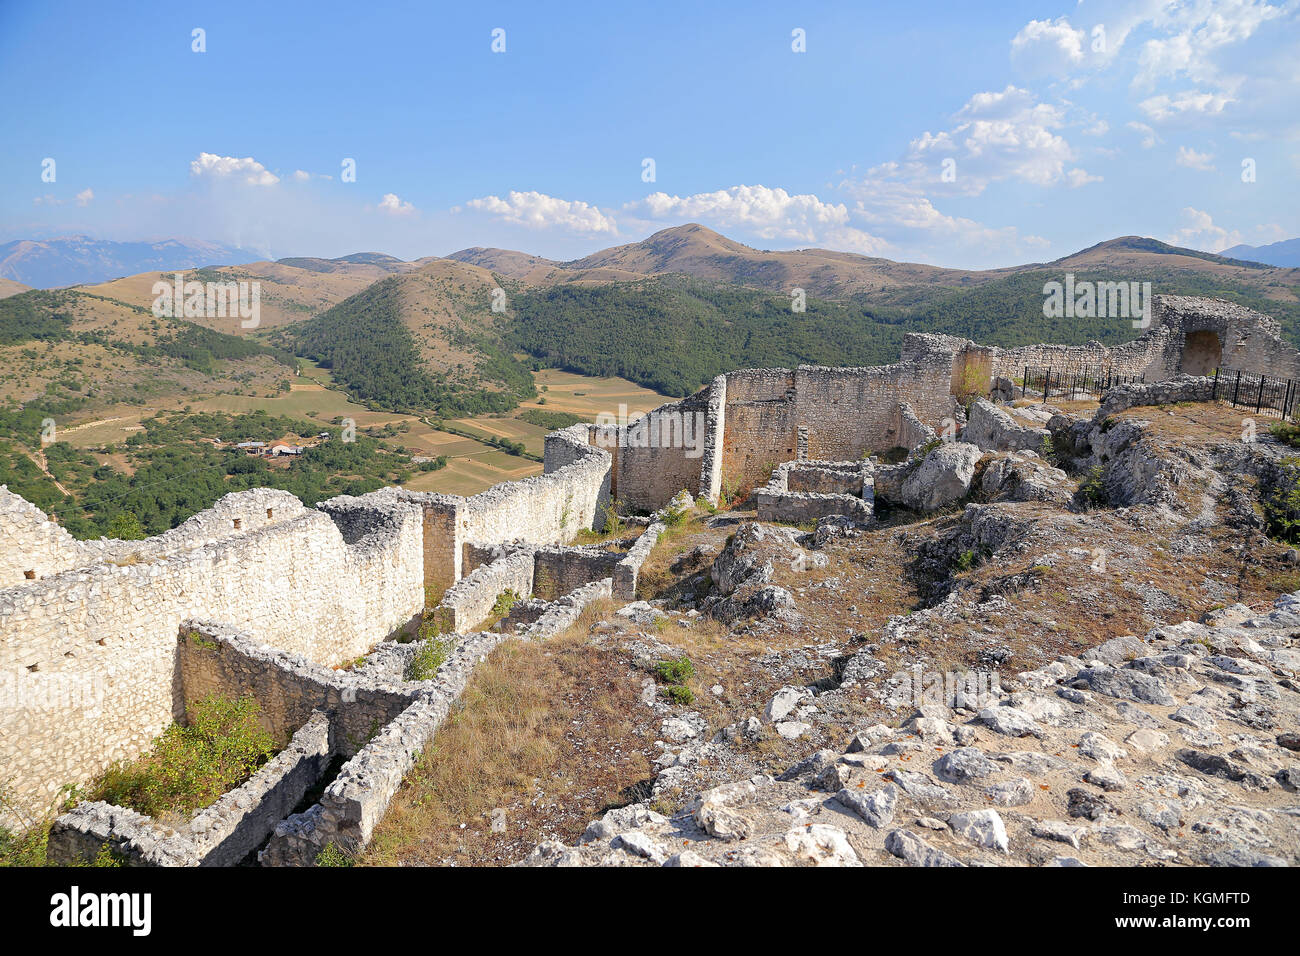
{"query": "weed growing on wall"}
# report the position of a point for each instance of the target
(430, 654)
(191, 765)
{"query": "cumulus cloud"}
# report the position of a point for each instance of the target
(1193, 160)
(85, 197)
(770, 213)
(1197, 31)
(889, 204)
(995, 136)
(394, 206)
(1080, 177)
(536, 210)
(249, 170)
(301, 175)
(1200, 232)
(1049, 47)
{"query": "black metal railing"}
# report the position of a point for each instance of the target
(1262, 394)
(1071, 383)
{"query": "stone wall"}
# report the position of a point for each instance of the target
(1185, 388)
(659, 454)
(1187, 334)
(355, 802)
(222, 834)
(802, 491)
(776, 415)
(628, 570)
(88, 661)
(217, 659)
(33, 547)
(469, 602)
(558, 571)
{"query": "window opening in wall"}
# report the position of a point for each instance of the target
(29, 575)
(237, 522)
(268, 512)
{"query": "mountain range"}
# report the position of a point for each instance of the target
(78, 260)
(1283, 253)
(667, 312)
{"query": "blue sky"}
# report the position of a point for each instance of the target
(1054, 134)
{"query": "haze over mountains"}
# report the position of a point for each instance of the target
(690, 249)
(1283, 253)
(77, 260)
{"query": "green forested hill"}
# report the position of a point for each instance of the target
(674, 333)
(372, 352)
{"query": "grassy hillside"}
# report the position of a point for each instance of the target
(391, 347)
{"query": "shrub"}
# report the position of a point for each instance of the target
(1092, 490)
(430, 654)
(504, 602)
(965, 561)
(1281, 502)
(331, 855)
(1286, 432)
(679, 694)
(674, 672)
(191, 765)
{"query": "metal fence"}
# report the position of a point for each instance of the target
(1241, 389)
(1068, 384)
(1258, 392)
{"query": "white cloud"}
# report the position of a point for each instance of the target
(539, 211)
(394, 206)
(85, 197)
(1193, 160)
(1048, 47)
(212, 166)
(1198, 30)
(301, 175)
(899, 209)
(1189, 102)
(1201, 233)
(760, 210)
(1149, 137)
(1080, 177)
(996, 136)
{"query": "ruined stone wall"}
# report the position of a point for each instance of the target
(660, 453)
(558, 571)
(1146, 357)
(775, 415)
(470, 600)
(88, 660)
(33, 547)
(1188, 334)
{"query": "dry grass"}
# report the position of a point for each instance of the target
(546, 731)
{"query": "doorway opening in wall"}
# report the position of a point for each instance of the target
(1202, 352)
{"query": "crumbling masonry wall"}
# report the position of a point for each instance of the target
(88, 662)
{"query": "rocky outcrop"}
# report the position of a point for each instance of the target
(992, 429)
(942, 478)
(1179, 747)
(1024, 476)
(742, 573)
